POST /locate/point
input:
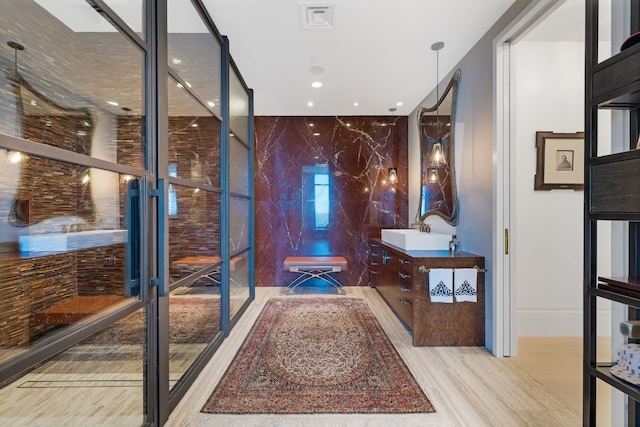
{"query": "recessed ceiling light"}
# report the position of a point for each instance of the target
(348, 125)
(114, 103)
(180, 85)
(311, 125)
(177, 61)
(33, 102)
(316, 134)
(316, 84)
(188, 84)
(211, 104)
(355, 104)
(399, 104)
(194, 125)
(310, 104)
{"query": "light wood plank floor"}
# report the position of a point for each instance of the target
(467, 385)
(556, 363)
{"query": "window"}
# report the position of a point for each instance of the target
(173, 196)
(321, 200)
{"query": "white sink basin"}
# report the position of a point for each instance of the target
(62, 242)
(414, 240)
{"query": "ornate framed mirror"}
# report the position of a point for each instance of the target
(49, 188)
(438, 195)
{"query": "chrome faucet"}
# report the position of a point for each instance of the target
(422, 226)
(74, 228)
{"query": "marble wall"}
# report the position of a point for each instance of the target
(356, 152)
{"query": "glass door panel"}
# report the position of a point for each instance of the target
(70, 234)
(72, 145)
(238, 107)
(238, 281)
(238, 167)
(99, 381)
(194, 199)
(238, 224)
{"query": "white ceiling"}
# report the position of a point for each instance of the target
(377, 53)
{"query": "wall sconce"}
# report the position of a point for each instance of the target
(432, 176)
(14, 157)
(393, 175)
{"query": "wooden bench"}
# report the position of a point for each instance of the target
(75, 309)
(315, 267)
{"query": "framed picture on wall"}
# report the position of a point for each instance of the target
(560, 161)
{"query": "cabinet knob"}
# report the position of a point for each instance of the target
(404, 302)
(405, 289)
(404, 276)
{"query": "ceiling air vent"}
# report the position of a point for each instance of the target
(317, 16)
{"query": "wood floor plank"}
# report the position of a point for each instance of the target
(467, 385)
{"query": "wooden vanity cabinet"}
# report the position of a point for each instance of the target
(402, 279)
(375, 261)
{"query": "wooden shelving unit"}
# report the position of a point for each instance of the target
(612, 193)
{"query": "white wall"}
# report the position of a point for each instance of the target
(474, 154)
(547, 227)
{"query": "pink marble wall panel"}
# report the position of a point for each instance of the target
(356, 152)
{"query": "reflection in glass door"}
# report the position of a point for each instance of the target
(73, 324)
(194, 195)
(240, 189)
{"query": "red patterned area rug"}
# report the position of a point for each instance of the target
(192, 320)
(317, 355)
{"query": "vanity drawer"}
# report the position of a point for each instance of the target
(400, 297)
(375, 263)
(404, 308)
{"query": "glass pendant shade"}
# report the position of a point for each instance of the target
(432, 176)
(437, 156)
(393, 175)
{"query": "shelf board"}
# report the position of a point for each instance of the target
(614, 185)
(623, 281)
(602, 372)
(616, 294)
(616, 81)
(615, 157)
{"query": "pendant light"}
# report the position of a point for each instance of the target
(437, 156)
(432, 176)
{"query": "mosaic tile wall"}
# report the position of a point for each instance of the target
(194, 152)
(357, 152)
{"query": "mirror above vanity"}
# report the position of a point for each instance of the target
(438, 194)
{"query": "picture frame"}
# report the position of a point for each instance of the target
(559, 161)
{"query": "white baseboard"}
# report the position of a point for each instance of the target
(546, 323)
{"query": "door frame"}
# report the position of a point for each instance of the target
(505, 309)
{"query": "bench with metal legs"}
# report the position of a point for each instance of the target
(315, 267)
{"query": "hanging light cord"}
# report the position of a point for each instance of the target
(438, 94)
